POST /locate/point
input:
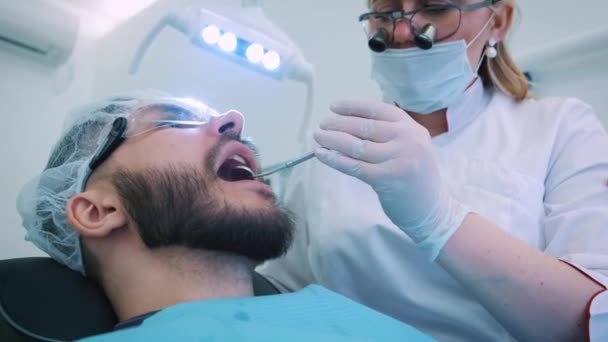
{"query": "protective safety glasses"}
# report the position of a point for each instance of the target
(170, 113)
(446, 18)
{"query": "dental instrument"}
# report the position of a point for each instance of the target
(285, 165)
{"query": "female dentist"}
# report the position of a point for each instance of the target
(474, 212)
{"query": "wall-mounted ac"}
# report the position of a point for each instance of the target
(37, 29)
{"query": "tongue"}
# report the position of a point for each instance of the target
(242, 172)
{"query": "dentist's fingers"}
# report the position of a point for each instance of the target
(354, 147)
(366, 129)
(342, 163)
(369, 110)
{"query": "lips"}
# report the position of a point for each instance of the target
(236, 163)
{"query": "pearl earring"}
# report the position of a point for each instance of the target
(491, 51)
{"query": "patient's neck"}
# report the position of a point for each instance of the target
(175, 275)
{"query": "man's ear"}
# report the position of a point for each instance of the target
(502, 22)
(94, 213)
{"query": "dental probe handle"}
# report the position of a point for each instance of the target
(286, 165)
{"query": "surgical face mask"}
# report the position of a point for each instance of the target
(424, 81)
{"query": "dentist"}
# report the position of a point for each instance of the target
(459, 204)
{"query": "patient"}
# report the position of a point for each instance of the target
(155, 199)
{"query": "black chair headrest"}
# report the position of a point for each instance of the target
(44, 298)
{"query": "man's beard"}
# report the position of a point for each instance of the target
(182, 205)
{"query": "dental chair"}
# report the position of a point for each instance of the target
(41, 300)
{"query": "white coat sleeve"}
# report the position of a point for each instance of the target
(576, 203)
(293, 271)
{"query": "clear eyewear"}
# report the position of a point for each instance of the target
(170, 114)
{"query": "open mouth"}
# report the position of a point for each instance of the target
(236, 168)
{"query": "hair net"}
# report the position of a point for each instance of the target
(42, 202)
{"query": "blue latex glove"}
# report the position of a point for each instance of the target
(384, 147)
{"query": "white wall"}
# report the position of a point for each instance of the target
(33, 100)
(544, 23)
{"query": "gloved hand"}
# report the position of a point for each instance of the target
(384, 147)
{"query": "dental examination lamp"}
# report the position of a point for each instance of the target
(245, 36)
(424, 39)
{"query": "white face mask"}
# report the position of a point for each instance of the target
(424, 81)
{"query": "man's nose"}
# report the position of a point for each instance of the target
(232, 121)
(402, 35)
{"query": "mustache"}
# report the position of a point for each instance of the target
(248, 141)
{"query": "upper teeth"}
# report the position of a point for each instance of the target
(239, 159)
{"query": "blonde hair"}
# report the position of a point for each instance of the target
(501, 72)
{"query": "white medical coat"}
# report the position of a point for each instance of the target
(538, 169)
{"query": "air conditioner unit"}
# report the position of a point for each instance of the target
(38, 29)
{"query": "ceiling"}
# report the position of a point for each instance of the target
(98, 17)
